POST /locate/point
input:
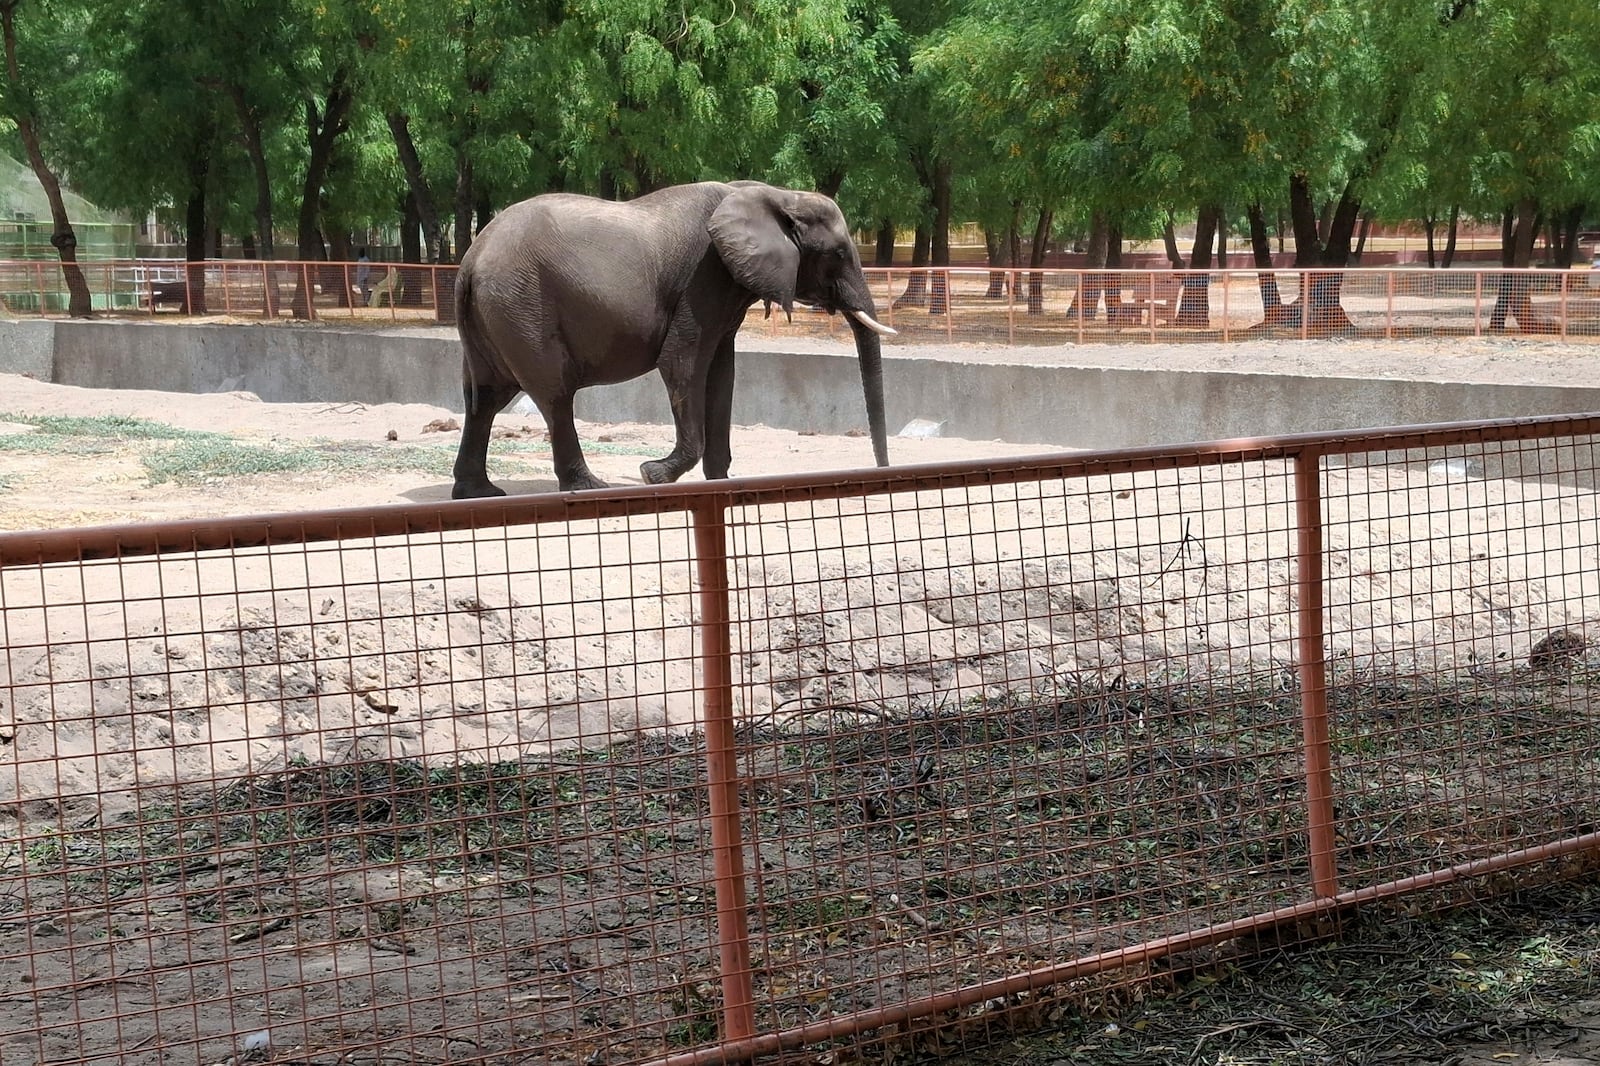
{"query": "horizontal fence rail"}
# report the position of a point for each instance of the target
(1010, 305)
(885, 759)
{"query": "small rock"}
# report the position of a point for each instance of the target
(391, 435)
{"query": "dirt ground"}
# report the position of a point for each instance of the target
(1146, 577)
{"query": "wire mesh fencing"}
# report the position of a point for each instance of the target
(1193, 306)
(1009, 305)
(845, 763)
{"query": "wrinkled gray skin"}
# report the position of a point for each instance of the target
(560, 292)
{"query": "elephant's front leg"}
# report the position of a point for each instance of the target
(719, 411)
(684, 374)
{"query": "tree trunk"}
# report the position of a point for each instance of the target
(266, 248)
(1266, 278)
(250, 127)
(1361, 241)
(1169, 243)
(1113, 286)
(883, 253)
(1014, 248)
(916, 292)
(1086, 302)
(1430, 224)
(410, 280)
(463, 203)
(322, 130)
(830, 183)
(994, 251)
(1303, 221)
(1036, 256)
(940, 303)
(1194, 303)
(1569, 235)
(194, 238)
(484, 210)
(1450, 237)
(1513, 298)
(1222, 239)
(417, 182)
(1320, 289)
(1325, 221)
(80, 304)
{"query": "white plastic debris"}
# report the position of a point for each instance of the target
(1455, 469)
(922, 427)
(257, 1041)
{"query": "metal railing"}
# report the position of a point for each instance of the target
(707, 771)
(1014, 306)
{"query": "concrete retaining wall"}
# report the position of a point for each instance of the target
(1071, 406)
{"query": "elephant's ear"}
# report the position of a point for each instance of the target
(753, 234)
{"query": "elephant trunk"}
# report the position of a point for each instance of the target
(870, 351)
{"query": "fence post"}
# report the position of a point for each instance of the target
(1312, 667)
(1308, 281)
(722, 769)
(949, 307)
(1012, 278)
(1225, 287)
(1566, 276)
(1077, 301)
(1477, 303)
(1388, 314)
(1149, 279)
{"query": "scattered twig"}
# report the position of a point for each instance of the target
(1181, 552)
(1250, 1023)
(265, 928)
(911, 912)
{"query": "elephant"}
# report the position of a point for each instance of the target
(563, 291)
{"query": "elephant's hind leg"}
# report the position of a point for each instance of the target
(483, 402)
(572, 469)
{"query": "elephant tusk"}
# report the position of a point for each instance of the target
(873, 324)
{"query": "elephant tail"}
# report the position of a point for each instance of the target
(474, 345)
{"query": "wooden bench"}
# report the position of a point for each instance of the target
(1155, 293)
(157, 285)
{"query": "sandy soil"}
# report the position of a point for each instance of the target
(490, 647)
(495, 644)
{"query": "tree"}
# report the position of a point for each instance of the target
(30, 64)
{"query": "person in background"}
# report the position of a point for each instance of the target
(364, 275)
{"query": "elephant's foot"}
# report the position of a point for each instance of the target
(657, 472)
(580, 482)
(475, 489)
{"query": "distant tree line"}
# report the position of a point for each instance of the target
(1102, 120)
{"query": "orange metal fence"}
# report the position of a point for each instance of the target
(1017, 306)
(709, 771)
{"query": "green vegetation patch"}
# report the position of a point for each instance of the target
(195, 462)
(106, 427)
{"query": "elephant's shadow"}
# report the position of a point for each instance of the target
(441, 492)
